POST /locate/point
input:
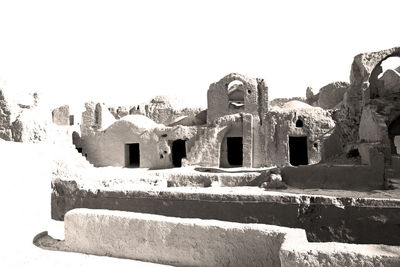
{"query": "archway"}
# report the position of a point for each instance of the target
(235, 95)
(375, 82)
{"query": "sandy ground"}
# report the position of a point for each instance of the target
(25, 207)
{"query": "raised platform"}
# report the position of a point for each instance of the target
(195, 242)
(325, 218)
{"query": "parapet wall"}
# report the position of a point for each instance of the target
(195, 242)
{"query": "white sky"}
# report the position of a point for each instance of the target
(124, 52)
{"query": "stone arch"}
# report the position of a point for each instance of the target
(374, 82)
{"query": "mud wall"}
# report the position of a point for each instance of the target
(324, 218)
(324, 176)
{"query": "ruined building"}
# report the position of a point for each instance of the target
(348, 136)
(237, 130)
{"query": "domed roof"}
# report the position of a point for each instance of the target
(140, 121)
(295, 104)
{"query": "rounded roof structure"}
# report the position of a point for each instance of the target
(295, 104)
(140, 122)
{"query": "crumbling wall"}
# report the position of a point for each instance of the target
(332, 94)
(31, 125)
(255, 97)
(88, 122)
(61, 115)
(372, 127)
(390, 83)
(329, 96)
(364, 86)
(5, 118)
(28, 122)
(95, 117)
(103, 117)
(161, 111)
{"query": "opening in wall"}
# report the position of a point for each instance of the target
(132, 155)
(298, 150)
(236, 94)
(178, 152)
(235, 151)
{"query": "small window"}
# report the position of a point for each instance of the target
(299, 123)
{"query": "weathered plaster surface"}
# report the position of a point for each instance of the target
(194, 242)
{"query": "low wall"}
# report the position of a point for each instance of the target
(324, 176)
(324, 218)
(195, 242)
(176, 241)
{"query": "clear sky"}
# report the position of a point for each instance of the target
(124, 52)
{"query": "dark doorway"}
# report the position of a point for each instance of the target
(298, 150)
(132, 155)
(71, 119)
(178, 152)
(235, 150)
(394, 132)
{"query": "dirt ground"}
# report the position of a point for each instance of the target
(25, 198)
